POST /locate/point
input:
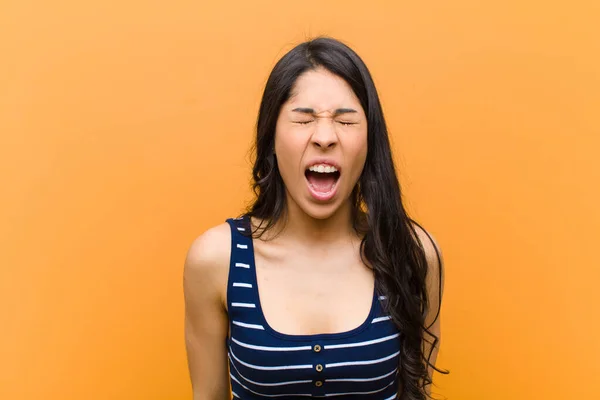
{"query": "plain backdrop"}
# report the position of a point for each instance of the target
(124, 134)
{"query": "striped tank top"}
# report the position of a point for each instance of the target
(358, 364)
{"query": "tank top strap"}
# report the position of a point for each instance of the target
(241, 239)
(241, 296)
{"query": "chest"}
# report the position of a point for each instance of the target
(305, 291)
(325, 333)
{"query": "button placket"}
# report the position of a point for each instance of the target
(319, 380)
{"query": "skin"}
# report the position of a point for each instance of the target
(314, 258)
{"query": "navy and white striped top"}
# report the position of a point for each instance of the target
(358, 364)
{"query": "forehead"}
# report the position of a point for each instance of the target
(322, 90)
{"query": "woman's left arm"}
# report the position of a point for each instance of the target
(435, 288)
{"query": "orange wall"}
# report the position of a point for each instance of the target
(124, 131)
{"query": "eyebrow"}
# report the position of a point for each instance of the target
(337, 112)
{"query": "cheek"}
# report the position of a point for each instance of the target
(359, 150)
(288, 150)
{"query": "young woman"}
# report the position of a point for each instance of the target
(325, 287)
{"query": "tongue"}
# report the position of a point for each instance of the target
(321, 182)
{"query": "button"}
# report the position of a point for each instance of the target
(319, 368)
(317, 348)
(318, 383)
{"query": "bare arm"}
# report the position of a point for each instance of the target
(435, 288)
(206, 324)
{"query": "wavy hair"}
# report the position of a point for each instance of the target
(390, 245)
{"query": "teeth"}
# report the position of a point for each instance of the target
(322, 168)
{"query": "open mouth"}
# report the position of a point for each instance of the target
(322, 180)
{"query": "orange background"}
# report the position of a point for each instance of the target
(125, 127)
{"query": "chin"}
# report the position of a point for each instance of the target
(320, 211)
(317, 210)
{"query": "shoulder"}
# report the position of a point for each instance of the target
(430, 246)
(210, 248)
(435, 271)
(207, 262)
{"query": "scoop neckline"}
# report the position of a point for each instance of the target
(305, 337)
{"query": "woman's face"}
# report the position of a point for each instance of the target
(321, 143)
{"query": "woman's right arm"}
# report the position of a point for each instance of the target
(206, 324)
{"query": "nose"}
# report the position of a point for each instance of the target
(325, 135)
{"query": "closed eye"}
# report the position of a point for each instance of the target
(347, 123)
(303, 122)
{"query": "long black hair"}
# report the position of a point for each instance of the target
(390, 245)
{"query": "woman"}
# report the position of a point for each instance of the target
(325, 287)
